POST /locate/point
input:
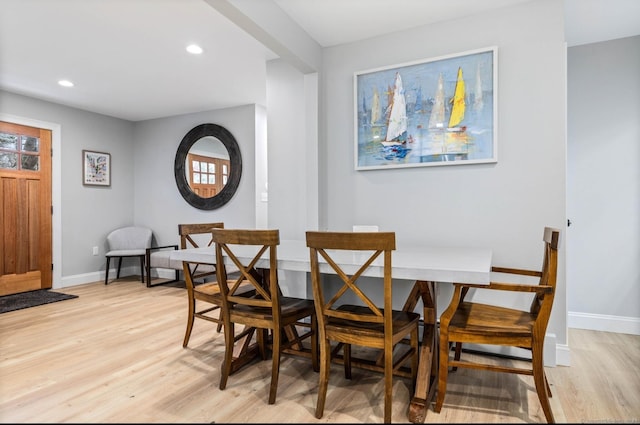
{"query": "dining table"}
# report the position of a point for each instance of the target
(421, 266)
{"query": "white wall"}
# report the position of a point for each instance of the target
(603, 177)
(292, 159)
(503, 206)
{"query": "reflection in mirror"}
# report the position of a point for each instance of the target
(208, 166)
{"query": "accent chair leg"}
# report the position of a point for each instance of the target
(119, 264)
(106, 272)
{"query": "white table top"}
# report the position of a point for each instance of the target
(438, 264)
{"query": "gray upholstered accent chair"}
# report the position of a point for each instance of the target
(131, 241)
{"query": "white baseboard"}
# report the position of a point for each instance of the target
(605, 323)
(563, 355)
(81, 279)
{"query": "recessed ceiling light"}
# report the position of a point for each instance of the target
(194, 48)
(65, 83)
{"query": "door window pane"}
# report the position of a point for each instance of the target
(8, 141)
(30, 162)
(9, 160)
(30, 144)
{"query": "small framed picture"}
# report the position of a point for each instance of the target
(96, 168)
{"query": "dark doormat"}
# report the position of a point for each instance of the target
(31, 299)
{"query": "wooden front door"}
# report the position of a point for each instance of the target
(25, 209)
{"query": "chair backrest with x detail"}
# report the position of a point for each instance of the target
(380, 244)
(266, 286)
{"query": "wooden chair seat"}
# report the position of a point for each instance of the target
(289, 308)
(402, 322)
(475, 323)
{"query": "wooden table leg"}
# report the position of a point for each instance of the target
(425, 388)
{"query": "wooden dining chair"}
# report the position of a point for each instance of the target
(473, 322)
(268, 310)
(207, 294)
(364, 325)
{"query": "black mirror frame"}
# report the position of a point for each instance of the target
(235, 171)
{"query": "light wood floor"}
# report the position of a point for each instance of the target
(115, 355)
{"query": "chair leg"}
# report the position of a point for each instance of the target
(275, 365)
(442, 372)
(346, 356)
(106, 272)
(148, 272)
(541, 382)
(220, 323)
(325, 363)
(547, 385)
(142, 268)
(457, 354)
(388, 383)
(190, 320)
(229, 339)
(261, 340)
(119, 264)
(314, 344)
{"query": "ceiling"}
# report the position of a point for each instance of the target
(127, 58)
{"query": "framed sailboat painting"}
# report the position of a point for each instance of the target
(439, 111)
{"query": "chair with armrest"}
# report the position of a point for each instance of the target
(131, 241)
(262, 310)
(363, 325)
(476, 323)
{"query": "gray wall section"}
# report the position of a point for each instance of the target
(143, 189)
(505, 205)
(604, 179)
(88, 212)
(157, 200)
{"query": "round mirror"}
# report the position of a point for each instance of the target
(208, 166)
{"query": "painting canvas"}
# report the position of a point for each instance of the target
(96, 168)
(439, 111)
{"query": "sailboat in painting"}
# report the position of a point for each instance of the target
(375, 107)
(397, 124)
(478, 100)
(437, 118)
(458, 105)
